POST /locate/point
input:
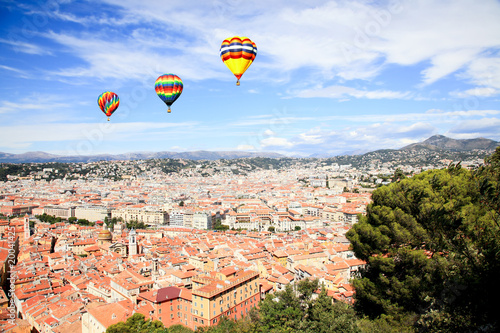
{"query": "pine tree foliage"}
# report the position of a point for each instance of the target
(432, 243)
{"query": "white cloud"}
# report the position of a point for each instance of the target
(476, 92)
(268, 132)
(106, 58)
(484, 72)
(473, 128)
(340, 92)
(34, 102)
(447, 63)
(276, 142)
(245, 147)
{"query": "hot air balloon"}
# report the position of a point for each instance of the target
(238, 54)
(108, 102)
(169, 88)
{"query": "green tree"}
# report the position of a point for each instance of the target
(398, 175)
(120, 327)
(325, 316)
(178, 329)
(137, 324)
(136, 225)
(432, 247)
(219, 226)
(281, 312)
(84, 222)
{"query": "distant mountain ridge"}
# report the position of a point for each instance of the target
(434, 143)
(442, 142)
(42, 157)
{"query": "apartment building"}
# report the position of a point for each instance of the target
(202, 220)
(176, 219)
(171, 305)
(92, 213)
(230, 293)
(149, 217)
(62, 212)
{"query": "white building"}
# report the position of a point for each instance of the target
(93, 213)
(202, 220)
(176, 219)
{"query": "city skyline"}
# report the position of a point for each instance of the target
(329, 77)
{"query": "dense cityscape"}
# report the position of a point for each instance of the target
(179, 241)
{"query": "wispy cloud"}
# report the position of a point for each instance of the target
(21, 73)
(341, 92)
(20, 44)
(34, 102)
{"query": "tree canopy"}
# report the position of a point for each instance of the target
(432, 244)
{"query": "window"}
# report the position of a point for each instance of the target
(159, 311)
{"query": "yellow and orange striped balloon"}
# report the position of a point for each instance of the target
(238, 53)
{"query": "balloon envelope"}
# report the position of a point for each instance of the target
(238, 53)
(108, 102)
(169, 87)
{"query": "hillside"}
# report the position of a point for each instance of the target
(437, 142)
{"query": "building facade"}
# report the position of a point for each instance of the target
(232, 294)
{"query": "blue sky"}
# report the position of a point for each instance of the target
(330, 76)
